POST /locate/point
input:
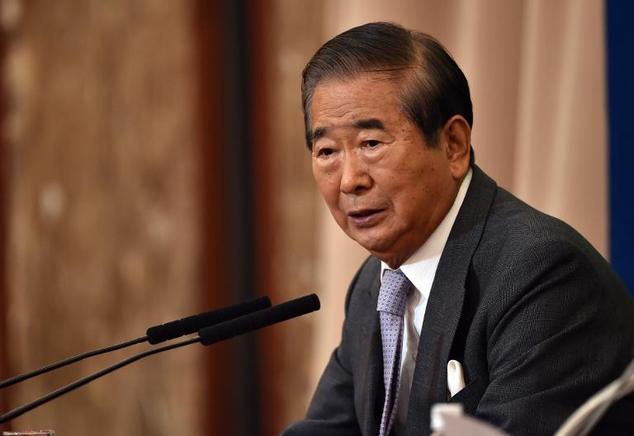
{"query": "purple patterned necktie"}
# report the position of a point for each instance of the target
(391, 306)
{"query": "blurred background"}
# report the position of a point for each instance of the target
(153, 166)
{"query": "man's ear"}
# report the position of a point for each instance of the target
(456, 137)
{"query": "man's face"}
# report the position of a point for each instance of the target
(384, 185)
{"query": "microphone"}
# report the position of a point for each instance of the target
(156, 334)
(246, 323)
(192, 324)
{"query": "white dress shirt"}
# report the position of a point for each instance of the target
(420, 269)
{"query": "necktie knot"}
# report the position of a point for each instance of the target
(393, 293)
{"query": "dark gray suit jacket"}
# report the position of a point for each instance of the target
(535, 315)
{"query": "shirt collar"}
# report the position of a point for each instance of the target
(420, 268)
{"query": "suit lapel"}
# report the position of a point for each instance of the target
(444, 307)
(371, 386)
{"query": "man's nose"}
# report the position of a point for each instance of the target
(355, 177)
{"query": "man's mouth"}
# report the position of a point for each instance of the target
(365, 217)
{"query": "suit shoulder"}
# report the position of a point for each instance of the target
(524, 246)
(514, 227)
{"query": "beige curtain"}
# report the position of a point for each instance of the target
(537, 80)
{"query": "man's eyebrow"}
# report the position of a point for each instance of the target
(318, 133)
(371, 123)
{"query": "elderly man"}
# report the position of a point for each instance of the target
(531, 317)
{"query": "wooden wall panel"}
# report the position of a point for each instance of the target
(103, 212)
(5, 371)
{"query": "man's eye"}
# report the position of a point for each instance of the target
(372, 143)
(325, 152)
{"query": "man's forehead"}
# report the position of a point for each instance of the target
(364, 101)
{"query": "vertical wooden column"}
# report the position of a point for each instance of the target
(259, 32)
(212, 182)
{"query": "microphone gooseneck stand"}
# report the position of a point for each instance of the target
(156, 334)
(207, 336)
(85, 380)
(65, 362)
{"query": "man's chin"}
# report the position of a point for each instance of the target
(383, 249)
(378, 247)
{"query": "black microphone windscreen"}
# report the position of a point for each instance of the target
(263, 318)
(192, 324)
